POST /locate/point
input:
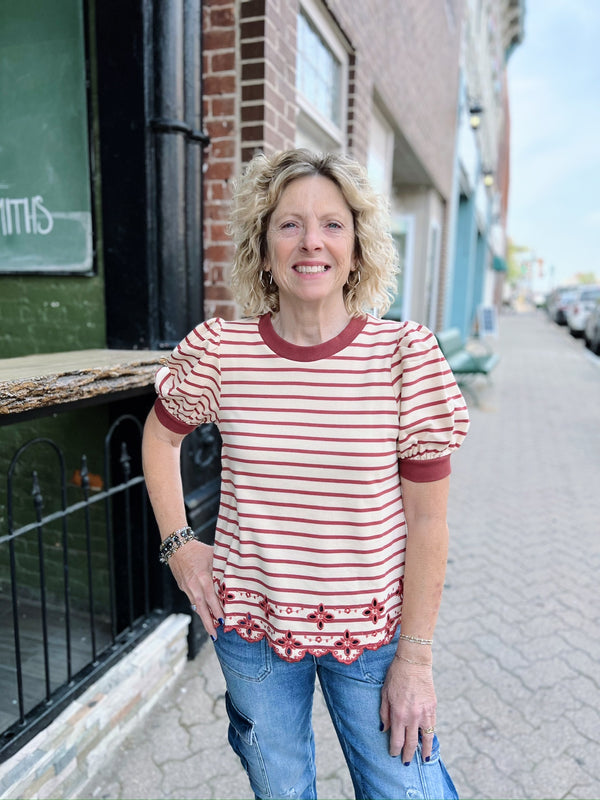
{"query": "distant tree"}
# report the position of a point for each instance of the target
(513, 262)
(586, 277)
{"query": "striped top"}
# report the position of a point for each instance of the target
(310, 538)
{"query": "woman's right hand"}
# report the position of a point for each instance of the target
(191, 566)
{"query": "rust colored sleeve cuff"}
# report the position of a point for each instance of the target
(422, 470)
(169, 421)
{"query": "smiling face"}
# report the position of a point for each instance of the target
(310, 244)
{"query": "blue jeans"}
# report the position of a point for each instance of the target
(269, 704)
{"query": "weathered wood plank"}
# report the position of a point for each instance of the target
(51, 379)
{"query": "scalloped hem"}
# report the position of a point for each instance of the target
(289, 648)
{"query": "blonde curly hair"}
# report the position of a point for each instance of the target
(371, 287)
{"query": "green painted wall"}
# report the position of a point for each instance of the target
(49, 313)
(43, 314)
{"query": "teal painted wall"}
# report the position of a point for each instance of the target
(479, 281)
(464, 266)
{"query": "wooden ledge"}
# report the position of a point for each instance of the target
(50, 379)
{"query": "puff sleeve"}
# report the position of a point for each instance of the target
(433, 415)
(188, 385)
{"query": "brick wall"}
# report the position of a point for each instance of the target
(408, 54)
(268, 71)
(249, 105)
(405, 54)
(222, 157)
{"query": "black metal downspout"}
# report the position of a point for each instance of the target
(175, 108)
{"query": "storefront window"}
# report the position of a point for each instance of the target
(45, 199)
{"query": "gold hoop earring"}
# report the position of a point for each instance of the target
(262, 279)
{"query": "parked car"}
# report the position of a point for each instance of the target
(591, 334)
(557, 303)
(578, 309)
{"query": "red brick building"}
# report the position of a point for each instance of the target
(378, 80)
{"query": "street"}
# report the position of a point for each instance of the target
(517, 646)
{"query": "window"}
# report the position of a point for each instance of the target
(321, 81)
(381, 153)
(319, 71)
(45, 196)
(403, 235)
(432, 275)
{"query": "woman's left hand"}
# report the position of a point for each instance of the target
(408, 702)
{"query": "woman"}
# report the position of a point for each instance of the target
(337, 430)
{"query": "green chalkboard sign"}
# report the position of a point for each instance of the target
(45, 197)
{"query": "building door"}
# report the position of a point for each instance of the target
(149, 70)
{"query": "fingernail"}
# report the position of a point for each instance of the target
(428, 758)
(407, 763)
(221, 621)
(214, 638)
(381, 726)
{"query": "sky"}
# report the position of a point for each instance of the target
(554, 91)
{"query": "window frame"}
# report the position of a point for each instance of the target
(386, 153)
(311, 123)
(403, 226)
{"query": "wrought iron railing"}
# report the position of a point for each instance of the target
(75, 588)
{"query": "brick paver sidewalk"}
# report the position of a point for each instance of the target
(517, 648)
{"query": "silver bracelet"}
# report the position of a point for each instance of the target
(410, 661)
(173, 542)
(415, 639)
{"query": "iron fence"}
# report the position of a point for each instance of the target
(75, 585)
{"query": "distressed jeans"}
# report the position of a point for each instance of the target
(269, 704)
